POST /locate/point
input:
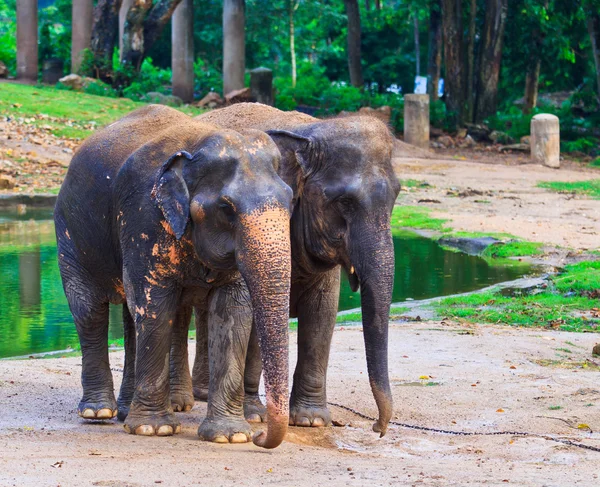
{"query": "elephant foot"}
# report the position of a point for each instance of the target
(100, 410)
(123, 412)
(201, 393)
(225, 430)
(254, 409)
(161, 424)
(182, 400)
(310, 416)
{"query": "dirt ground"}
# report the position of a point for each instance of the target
(480, 379)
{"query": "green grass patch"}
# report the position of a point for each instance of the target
(413, 183)
(66, 113)
(416, 217)
(590, 188)
(570, 303)
(396, 312)
(513, 249)
(554, 408)
(595, 162)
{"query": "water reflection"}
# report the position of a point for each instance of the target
(35, 316)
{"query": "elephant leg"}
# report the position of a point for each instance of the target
(128, 383)
(200, 373)
(182, 396)
(254, 410)
(317, 309)
(230, 323)
(150, 412)
(91, 320)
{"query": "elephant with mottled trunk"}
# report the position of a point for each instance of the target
(344, 190)
(164, 213)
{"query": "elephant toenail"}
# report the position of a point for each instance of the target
(255, 418)
(104, 413)
(88, 414)
(164, 430)
(221, 439)
(187, 408)
(145, 430)
(318, 423)
(239, 438)
(176, 408)
(305, 422)
(178, 429)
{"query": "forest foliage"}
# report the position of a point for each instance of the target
(396, 44)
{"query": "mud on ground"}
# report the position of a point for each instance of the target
(443, 376)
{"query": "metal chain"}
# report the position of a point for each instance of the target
(471, 433)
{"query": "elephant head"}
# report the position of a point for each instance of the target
(345, 189)
(238, 208)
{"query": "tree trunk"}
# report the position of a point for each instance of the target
(354, 57)
(417, 44)
(490, 58)
(27, 40)
(292, 7)
(81, 31)
(593, 25)
(182, 51)
(367, 5)
(470, 87)
(234, 45)
(125, 6)
(377, 4)
(104, 36)
(454, 60)
(532, 80)
(145, 22)
(434, 63)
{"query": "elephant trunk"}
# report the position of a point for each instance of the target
(372, 255)
(265, 264)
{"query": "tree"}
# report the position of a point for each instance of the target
(234, 44)
(145, 22)
(434, 57)
(354, 57)
(490, 58)
(470, 86)
(292, 7)
(104, 36)
(593, 26)
(454, 60)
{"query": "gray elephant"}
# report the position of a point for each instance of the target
(344, 190)
(159, 211)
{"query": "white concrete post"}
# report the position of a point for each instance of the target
(545, 140)
(416, 120)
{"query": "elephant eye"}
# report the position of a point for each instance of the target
(228, 211)
(345, 203)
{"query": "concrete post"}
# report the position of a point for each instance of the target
(182, 51)
(416, 120)
(261, 86)
(27, 40)
(234, 45)
(545, 140)
(125, 6)
(81, 31)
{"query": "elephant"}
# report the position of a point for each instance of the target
(344, 191)
(164, 213)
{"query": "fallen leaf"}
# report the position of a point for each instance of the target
(500, 410)
(583, 426)
(57, 464)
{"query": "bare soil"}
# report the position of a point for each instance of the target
(481, 379)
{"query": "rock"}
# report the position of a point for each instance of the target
(238, 96)
(3, 70)
(7, 182)
(446, 141)
(461, 134)
(383, 113)
(52, 71)
(498, 137)
(211, 100)
(471, 246)
(596, 349)
(526, 139)
(162, 99)
(467, 142)
(435, 132)
(518, 147)
(478, 131)
(76, 82)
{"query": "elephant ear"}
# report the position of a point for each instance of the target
(297, 145)
(171, 193)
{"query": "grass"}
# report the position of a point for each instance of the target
(554, 408)
(66, 113)
(590, 188)
(513, 249)
(396, 312)
(595, 162)
(416, 217)
(551, 308)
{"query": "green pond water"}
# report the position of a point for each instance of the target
(35, 317)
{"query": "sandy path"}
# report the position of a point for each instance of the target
(511, 201)
(479, 373)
